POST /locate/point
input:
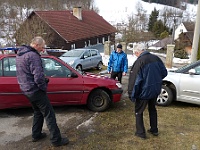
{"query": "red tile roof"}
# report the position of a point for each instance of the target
(71, 28)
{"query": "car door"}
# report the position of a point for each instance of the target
(62, 88)
(189, 85)
(10, 93)
(95, 58)
(86, 61)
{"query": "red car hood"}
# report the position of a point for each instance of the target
(92, 75)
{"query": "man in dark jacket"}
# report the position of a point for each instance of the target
(30, 76)
(118, 64)
(145, 83)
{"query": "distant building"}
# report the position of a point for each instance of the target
(67, 29)
(183, 28)
(184, 36)
(161, 44)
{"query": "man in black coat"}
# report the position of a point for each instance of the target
(33, 84)
(145, 82)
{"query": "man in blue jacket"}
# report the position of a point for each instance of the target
(32, 81)
(118, 64)
(145, 83)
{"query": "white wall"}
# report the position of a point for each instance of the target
(181, 28)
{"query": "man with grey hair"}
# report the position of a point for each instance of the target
(33, 84)
(145, 82)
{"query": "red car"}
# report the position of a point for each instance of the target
(66, 86)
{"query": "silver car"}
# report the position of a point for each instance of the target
(82, 59)
(182, 84)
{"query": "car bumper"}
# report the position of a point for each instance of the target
(117, 93)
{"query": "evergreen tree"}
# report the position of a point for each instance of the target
(158, 28)
(152, 19)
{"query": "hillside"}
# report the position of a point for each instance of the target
(116, 12)
(173, 3)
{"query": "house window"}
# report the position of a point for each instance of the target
(103, 40)
(73, 46)
(181, 30)
(108, 38)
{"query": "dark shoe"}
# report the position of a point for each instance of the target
(64, 141)
(153, 133)
(42, 136)
(141, 136)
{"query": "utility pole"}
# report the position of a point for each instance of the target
(195, 42)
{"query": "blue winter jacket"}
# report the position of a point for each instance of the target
(145, 79)
(30, 74)
(118, 62)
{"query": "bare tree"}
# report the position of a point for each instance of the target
(137, 23)
(14, 12)
(141, 17)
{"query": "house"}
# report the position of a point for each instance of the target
(68, 29)
(161, 44)
(184, 36)
(182, 28)
(185, 41)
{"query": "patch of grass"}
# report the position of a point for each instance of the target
(114, 129)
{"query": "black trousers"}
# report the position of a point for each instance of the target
(43, 110)
(140, 106)
(118, 75)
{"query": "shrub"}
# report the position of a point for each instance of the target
(182, 54)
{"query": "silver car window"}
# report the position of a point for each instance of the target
(93, 52)
(73, 53)
(197, 69)
(86, 54)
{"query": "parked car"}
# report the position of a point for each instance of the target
(182, 84)
(67, 86)
(83, 59)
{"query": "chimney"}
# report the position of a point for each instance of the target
(77, 12)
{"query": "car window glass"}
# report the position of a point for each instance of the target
(93, 52)
(1, 68)
(52, 68)
(9, 66)
(73, 53)
(197, 69)
(86, 54)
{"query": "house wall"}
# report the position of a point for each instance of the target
(181, 28)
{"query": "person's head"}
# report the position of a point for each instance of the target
(38, 43)
(138, 49)
(119, 48)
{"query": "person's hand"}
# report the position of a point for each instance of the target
(47, 80)
(132, 99)
(124, 73)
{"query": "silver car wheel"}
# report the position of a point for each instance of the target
(165, 97)
(99, 66)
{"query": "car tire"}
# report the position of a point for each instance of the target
(99, 101)
(99, 66)
(79, 67)
(166, 96)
